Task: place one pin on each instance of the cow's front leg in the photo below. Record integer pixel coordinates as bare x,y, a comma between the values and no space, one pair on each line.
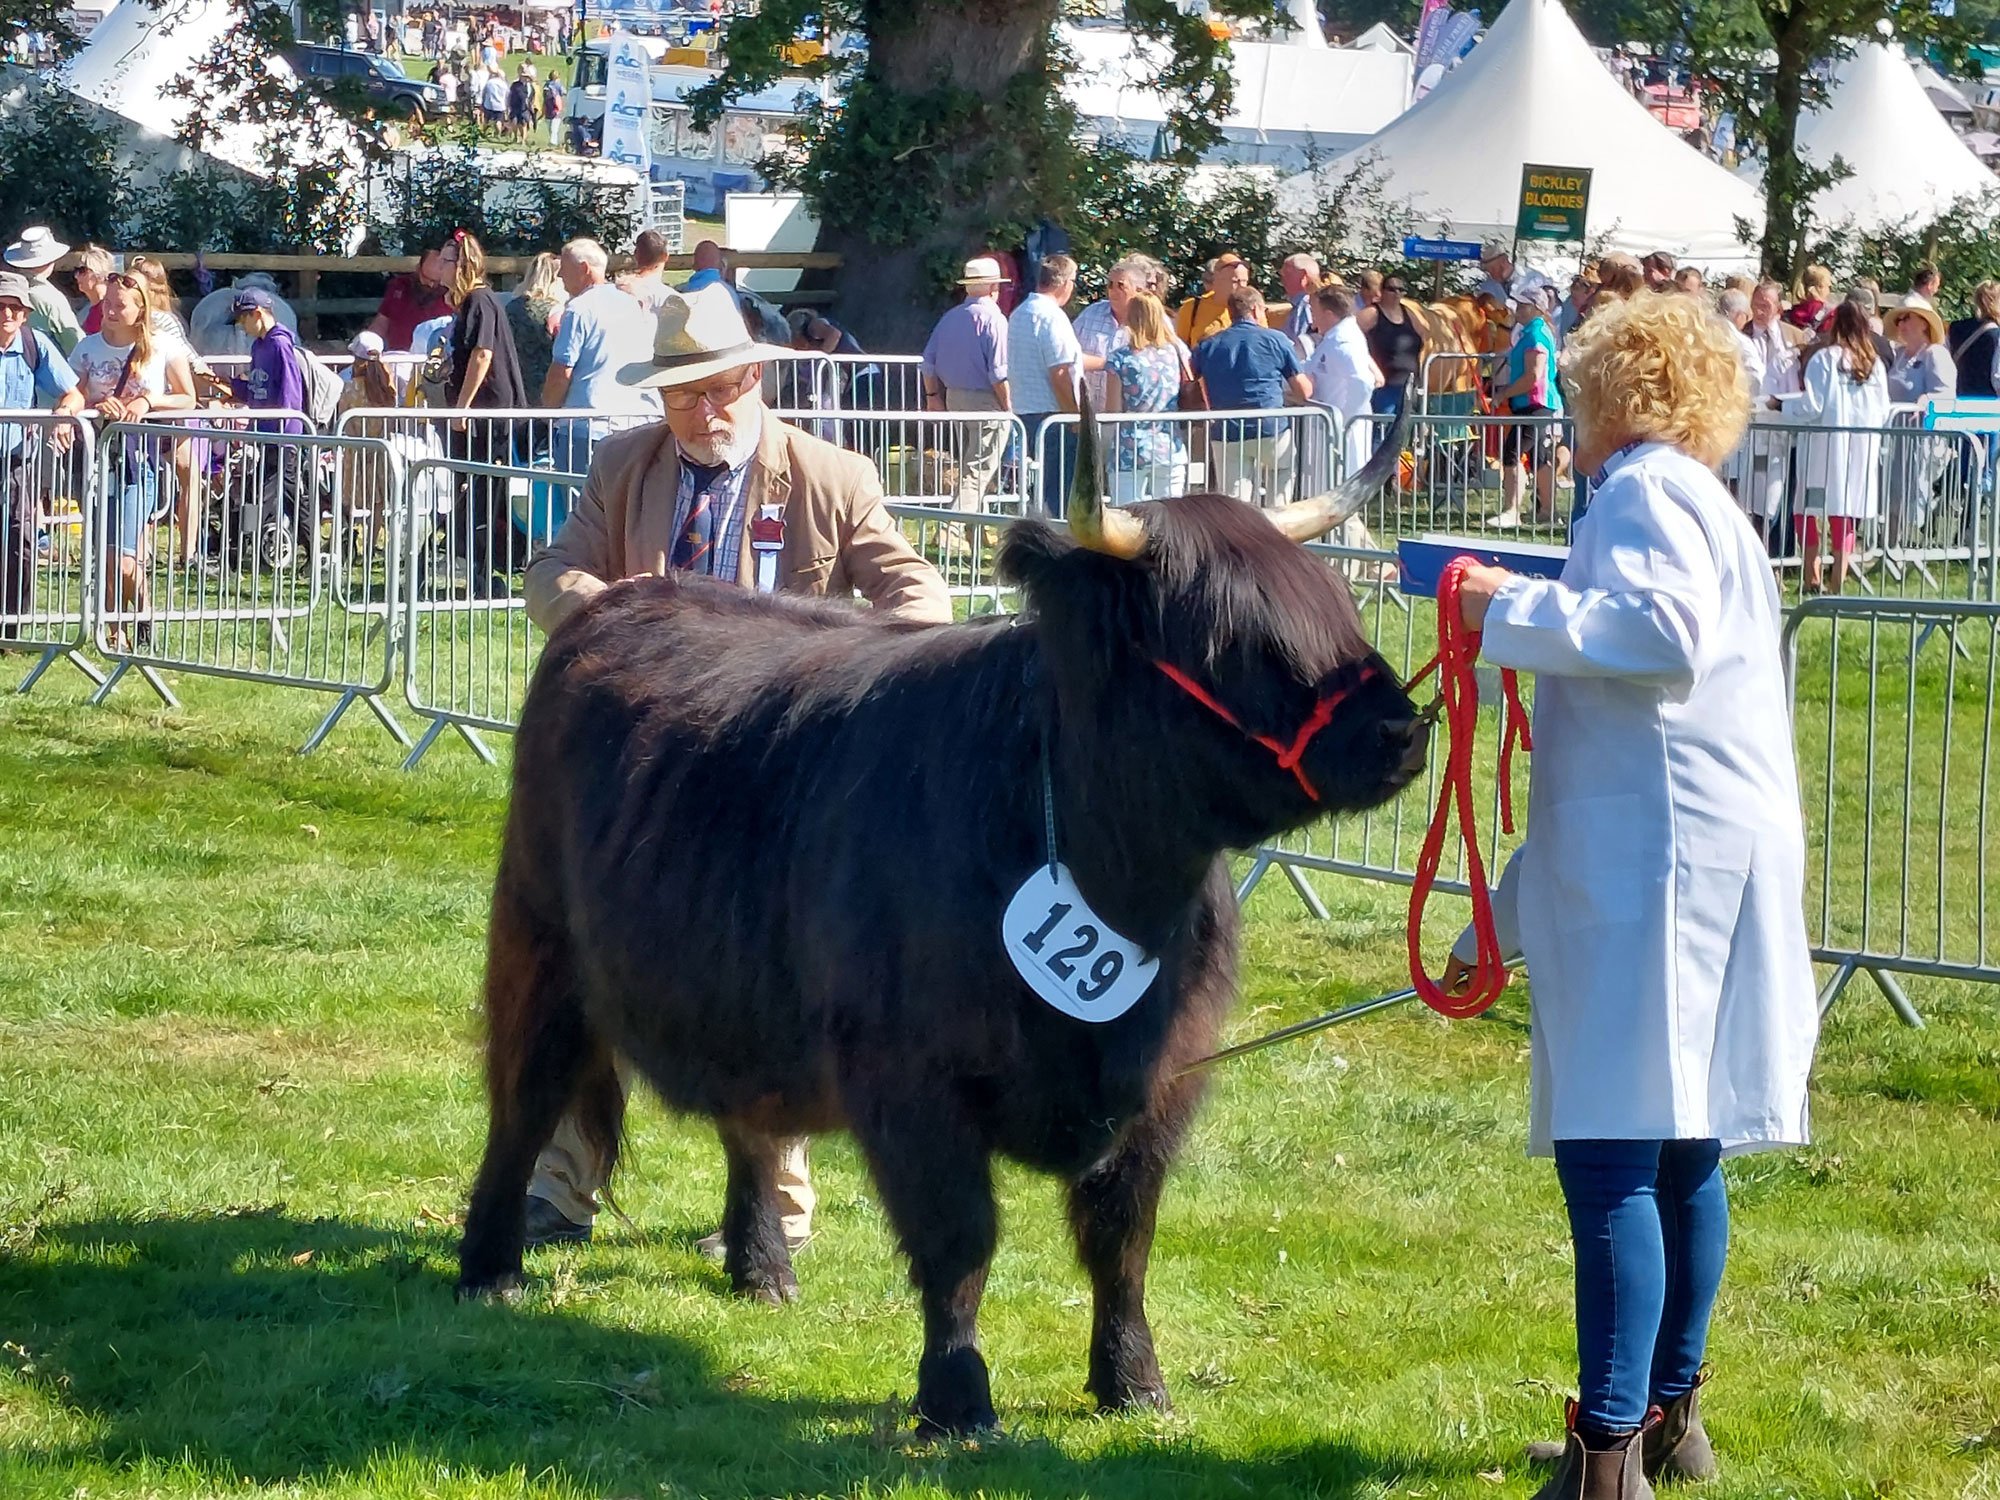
1111,1211
936,1182
754,1252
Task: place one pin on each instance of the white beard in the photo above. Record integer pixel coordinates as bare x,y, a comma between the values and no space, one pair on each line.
726,452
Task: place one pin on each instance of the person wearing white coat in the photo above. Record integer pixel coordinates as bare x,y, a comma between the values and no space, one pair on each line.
1343,372
1658,897
1846,388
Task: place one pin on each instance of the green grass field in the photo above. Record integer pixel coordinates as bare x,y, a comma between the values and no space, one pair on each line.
239,1108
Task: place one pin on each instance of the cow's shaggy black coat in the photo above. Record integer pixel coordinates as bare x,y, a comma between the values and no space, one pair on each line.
761,847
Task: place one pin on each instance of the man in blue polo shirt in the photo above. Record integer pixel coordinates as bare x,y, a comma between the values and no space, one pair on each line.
33,373
1248,367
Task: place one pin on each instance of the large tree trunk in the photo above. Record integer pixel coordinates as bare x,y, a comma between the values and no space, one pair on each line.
940,145
1785,205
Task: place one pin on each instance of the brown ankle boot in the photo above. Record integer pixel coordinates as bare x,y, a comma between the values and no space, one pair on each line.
1677,1447
1599,1473
1544,1453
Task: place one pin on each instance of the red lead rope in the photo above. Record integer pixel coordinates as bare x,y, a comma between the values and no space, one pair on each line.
1458,648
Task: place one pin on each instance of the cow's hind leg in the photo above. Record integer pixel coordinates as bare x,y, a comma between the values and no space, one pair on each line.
936,1181
1112,1209
540,1058
753,1233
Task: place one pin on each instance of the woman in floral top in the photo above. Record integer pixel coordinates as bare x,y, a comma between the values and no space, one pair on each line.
1149,459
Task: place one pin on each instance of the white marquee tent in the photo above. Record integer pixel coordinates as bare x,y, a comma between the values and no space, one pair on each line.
1291,100
1906,161
136,55
1533,92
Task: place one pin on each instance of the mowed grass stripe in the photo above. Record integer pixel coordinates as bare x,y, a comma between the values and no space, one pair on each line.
239,1106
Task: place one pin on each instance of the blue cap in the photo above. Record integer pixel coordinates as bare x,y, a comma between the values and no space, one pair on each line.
249,299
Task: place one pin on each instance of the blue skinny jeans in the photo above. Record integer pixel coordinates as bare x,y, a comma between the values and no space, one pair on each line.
1650,1220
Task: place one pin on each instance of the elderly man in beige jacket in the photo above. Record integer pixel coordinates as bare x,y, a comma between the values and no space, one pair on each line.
720,487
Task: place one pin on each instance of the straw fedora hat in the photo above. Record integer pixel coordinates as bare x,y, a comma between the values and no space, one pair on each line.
700,333
36,247
1917,306
980,270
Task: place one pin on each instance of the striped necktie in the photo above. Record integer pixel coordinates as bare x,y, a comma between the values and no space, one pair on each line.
694,548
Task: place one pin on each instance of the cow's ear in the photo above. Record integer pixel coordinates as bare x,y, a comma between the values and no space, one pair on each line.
1031,550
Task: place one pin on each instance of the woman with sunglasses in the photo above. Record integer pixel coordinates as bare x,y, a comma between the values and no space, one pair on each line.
128,375
1396,335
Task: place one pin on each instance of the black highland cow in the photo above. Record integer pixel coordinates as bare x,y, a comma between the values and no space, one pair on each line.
762,847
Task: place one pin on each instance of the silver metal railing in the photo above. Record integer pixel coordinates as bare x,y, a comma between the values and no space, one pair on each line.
1898,735
48,473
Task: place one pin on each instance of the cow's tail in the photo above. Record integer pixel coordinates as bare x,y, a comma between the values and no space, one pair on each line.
547,1068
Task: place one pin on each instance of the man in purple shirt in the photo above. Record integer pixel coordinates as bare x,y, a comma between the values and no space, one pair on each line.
965,369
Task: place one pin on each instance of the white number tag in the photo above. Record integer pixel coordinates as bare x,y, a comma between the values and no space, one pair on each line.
1068,954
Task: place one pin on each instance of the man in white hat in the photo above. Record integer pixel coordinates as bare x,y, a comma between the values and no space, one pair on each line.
721,487
34,255
965,369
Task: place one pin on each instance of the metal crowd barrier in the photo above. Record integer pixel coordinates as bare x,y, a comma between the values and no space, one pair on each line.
1384,843
555,439
877,382
1899,753
963,548
1263,457
1920,498
970,461
214,548
48,467
469,646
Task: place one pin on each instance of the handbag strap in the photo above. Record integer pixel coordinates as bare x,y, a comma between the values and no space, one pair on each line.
1972,338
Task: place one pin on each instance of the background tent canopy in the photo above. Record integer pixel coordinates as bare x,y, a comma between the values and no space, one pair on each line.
1535,92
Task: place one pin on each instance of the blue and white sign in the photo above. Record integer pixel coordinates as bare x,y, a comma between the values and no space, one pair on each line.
1415,247
628,101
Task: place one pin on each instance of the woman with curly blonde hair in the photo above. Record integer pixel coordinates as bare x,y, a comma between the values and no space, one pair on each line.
1659,895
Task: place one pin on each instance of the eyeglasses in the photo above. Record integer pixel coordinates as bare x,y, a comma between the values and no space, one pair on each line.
1393,286
120,278
717,393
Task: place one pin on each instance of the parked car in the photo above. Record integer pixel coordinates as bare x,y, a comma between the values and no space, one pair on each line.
381,78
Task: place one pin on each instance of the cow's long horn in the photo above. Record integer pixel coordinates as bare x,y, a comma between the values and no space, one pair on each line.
1101,528
1303,520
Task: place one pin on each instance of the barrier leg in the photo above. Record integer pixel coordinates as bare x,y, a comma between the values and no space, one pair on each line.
105,688
1253,877
437,727
49,657
1830,992
1306,893
347,700
158,684
1898,1000
390,722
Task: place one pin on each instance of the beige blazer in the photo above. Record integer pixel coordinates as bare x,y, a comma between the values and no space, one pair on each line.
839,538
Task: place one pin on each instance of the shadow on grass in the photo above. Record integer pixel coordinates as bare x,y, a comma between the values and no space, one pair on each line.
256,1347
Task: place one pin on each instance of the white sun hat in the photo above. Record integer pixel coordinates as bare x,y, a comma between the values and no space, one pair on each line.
700,333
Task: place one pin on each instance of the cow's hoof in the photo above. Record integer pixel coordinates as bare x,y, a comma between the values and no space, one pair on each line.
965,1424
954,1396
772,1289
507,1286
1135,1398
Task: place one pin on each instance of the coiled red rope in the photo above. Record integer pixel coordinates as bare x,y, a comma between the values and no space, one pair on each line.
1458,687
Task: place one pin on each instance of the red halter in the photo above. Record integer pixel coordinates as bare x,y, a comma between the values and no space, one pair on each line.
1290,755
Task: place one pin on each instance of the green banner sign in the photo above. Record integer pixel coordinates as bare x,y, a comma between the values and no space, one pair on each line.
1555,202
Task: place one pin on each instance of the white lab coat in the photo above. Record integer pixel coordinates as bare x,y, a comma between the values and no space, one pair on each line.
1762,464
1344,376
1842,471
1659,896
